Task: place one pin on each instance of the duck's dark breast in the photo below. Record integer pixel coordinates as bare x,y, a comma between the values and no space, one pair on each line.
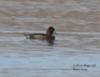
51,39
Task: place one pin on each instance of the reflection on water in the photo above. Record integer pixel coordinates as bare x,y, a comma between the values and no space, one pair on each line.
21,57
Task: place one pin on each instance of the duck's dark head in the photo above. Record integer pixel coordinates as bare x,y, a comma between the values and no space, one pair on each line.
50,30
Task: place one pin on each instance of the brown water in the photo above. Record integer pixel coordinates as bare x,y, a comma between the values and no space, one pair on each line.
76,51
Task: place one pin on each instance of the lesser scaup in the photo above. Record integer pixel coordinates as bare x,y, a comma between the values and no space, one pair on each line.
48,36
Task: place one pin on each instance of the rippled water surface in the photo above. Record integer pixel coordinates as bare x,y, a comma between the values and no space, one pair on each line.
76,52
21,57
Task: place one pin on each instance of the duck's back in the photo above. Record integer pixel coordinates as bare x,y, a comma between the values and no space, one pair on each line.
39,36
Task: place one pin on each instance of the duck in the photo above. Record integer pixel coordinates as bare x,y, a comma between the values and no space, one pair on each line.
48,36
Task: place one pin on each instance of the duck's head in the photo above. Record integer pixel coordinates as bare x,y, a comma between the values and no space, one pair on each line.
50,30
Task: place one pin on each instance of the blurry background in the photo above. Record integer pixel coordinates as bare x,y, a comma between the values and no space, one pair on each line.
64,15
77,23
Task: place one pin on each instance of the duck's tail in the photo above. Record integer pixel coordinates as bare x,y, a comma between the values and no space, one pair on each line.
27,36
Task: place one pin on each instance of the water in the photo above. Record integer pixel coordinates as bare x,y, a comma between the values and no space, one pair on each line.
76,51
21,57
